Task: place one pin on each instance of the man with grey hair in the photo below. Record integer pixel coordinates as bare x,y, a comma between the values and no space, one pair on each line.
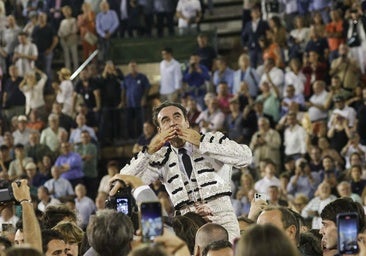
344,190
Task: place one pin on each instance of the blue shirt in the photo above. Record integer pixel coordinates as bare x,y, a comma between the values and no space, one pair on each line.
106,22
135,88
196,79
76,166
227,76
317,5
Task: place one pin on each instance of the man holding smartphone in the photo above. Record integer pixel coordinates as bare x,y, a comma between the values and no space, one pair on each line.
195,169
330,229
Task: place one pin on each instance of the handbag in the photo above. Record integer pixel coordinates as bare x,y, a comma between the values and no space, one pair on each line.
90,38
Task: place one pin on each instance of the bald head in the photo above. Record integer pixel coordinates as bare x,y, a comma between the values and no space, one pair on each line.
207,234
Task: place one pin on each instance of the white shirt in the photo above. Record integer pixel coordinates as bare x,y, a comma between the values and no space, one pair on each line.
216,120
302,35
60,187
290,6
13,221
277,77
67,27
316,204
316,114
65,97
34,95
189,9
295,140
297,81
171,76
42,206
104,185
347,112
262,185
25,65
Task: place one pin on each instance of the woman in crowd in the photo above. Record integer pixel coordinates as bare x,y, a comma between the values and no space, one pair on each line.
86,24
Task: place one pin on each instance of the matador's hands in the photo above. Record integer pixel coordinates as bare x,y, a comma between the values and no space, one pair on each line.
160,139
190,135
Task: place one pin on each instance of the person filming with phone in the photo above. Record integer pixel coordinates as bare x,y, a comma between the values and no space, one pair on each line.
195,169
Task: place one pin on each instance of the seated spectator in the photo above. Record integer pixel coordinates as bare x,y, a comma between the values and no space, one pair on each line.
244,195
265,143
234,121
112,169
70,164
21,134
290,99
223,97
58,187
50,135
85,207
269,179
193,111
340,108
149,132
273,76
17,166
274,197
81,126
313,209
211,119
298,203
353,145
357,184
45,199
304,181
35,149
89,154
35,123
35,179
223,74
344,190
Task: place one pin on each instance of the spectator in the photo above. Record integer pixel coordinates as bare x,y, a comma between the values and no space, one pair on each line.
85,207
247,74
45,199
35,149
195,79
5,158
189,15
304,181
315,162
45,38
25,54
295,77
50,135
35,123
344,191
135,89
244,195
9,36
340,109
33,92
223,97
206,52
64,91
234,121
338,132
75,136
269,178
111,102
64,121
294,137
21,134
265,143
299,36
274,197
346,68
193,111
70,165
31,24
68,37
112,169
334,31
171,76
53,243
221,247
357,183
355,41
223,74
326,150
291,101
253,30
273,75
353,145
211,119
13,100
73,236
88,152
86,25
106,24
145,138
270,98
207,234
316,205
17,166
164,10
58,187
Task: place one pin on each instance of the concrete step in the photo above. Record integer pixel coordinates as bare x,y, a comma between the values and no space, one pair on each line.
223,13
233,26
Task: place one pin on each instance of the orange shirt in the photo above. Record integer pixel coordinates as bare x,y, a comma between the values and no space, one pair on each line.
332,27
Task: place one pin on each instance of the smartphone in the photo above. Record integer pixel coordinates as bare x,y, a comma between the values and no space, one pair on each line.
123,205
259,196
151,221
347,224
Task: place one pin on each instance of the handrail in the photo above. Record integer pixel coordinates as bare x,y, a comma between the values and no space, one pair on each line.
85,63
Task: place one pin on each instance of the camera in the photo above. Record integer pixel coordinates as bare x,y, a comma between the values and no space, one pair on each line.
124,202
6,192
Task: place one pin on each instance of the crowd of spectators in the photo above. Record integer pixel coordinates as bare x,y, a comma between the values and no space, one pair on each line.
297,99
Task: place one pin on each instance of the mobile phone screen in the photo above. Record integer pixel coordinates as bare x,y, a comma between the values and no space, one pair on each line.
151,221
347,233
122,205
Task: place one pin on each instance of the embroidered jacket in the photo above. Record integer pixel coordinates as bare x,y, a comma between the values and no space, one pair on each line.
212,164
